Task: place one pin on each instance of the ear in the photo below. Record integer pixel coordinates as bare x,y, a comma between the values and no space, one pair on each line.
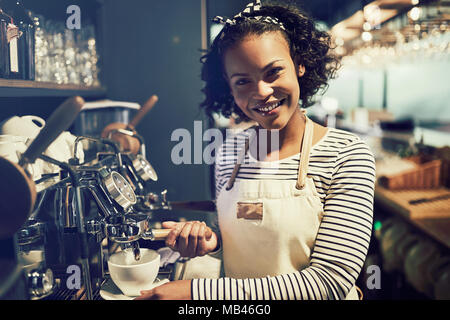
301,70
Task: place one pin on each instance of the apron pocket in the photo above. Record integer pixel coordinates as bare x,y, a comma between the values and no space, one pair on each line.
249,210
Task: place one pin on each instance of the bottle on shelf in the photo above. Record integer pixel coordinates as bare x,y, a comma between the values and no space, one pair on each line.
24,68
4,48
11,55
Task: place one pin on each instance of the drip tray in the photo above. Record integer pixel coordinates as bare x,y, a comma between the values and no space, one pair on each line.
67,294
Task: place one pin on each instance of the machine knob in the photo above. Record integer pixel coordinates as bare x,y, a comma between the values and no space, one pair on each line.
40,283
94,227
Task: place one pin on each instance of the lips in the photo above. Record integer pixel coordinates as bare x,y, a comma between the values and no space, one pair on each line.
268,108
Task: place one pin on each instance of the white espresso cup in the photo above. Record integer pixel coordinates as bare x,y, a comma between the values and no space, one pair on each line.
132,276
25,126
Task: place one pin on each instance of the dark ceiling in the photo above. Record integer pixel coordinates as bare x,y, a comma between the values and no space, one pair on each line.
331,11
328,11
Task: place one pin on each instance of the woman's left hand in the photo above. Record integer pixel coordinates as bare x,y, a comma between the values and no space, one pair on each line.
174,290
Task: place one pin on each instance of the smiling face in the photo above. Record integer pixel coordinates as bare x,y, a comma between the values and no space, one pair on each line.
263,79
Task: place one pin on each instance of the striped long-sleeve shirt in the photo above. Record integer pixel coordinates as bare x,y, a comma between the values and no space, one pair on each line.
343,170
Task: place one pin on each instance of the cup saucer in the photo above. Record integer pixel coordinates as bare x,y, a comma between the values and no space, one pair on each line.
109,290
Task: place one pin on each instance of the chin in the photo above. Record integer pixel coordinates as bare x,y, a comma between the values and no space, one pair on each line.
275,125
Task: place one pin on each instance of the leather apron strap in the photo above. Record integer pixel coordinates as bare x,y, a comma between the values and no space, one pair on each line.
304,156
239,161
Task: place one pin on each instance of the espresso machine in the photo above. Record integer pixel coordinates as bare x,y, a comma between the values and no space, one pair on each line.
81,214
86,211
95,208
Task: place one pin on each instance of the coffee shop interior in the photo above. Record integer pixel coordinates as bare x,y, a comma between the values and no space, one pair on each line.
97,88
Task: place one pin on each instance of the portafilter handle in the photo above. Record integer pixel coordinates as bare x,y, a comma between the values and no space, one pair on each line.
156,234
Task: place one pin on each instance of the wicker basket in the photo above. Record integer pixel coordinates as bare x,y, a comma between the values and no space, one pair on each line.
426,175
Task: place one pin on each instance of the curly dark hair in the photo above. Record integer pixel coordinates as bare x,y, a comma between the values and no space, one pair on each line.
309,47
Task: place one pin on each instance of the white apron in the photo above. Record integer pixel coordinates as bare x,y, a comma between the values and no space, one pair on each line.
269,227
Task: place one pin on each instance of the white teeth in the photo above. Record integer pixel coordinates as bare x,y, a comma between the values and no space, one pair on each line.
269,108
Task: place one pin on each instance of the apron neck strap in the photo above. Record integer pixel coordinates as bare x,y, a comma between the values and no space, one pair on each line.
305,153
240,159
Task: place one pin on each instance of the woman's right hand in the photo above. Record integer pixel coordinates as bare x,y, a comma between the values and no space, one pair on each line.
191,238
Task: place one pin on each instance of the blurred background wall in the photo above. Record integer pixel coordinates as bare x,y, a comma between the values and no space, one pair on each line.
154,47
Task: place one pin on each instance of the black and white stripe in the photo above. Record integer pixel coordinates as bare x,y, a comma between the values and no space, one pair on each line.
343,170
244,14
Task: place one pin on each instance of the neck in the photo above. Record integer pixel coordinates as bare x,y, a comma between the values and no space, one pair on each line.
285,141
292,133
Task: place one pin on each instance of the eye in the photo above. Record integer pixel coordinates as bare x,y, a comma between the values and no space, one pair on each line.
274,71
241,82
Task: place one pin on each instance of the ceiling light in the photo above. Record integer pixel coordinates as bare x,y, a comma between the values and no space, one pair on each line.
414,13
366,36
367,26
340,51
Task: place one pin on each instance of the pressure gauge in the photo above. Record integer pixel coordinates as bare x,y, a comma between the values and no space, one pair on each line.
144,169
120,190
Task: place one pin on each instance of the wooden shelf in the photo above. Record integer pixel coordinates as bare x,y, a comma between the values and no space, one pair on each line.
25,88
433,217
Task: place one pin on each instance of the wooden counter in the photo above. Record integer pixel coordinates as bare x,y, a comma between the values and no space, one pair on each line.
431,217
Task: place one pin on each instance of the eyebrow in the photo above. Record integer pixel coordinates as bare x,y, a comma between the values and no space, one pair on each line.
263,69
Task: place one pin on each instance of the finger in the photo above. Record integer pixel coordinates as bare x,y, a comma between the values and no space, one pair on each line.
145,291
201,240
193,239
145,295
183,238
202,231
172,237
169,224
208,233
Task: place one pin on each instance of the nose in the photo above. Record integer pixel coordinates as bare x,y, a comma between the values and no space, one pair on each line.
263,90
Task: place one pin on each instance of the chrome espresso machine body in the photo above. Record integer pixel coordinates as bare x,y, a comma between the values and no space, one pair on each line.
94,208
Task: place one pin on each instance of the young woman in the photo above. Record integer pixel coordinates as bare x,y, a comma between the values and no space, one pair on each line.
294,222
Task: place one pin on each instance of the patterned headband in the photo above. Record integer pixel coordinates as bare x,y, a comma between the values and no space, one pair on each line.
249,9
